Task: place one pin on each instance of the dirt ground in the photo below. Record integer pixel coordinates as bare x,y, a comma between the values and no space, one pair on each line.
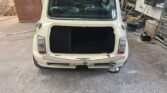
145,71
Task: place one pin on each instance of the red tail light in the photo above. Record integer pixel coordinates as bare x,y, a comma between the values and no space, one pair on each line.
122,46
41,45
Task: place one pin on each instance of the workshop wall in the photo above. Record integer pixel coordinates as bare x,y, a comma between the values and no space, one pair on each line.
148,10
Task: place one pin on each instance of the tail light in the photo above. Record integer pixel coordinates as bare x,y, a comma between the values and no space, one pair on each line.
41,45
122,45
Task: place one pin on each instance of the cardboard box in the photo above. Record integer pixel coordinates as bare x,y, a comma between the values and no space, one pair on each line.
151,28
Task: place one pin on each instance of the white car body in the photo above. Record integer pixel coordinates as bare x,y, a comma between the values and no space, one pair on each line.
64,60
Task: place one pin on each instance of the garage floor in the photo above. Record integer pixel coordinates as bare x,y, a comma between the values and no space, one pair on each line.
145,71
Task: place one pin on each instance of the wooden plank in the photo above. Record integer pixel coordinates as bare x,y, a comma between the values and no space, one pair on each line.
28,10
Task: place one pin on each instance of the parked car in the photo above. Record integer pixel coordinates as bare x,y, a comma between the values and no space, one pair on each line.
74,33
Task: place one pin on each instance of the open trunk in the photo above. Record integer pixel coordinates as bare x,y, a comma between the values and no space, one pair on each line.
65,39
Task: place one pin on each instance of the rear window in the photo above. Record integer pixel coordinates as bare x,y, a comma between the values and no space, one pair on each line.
93,9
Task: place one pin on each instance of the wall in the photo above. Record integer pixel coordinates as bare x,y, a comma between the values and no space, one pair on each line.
148,10
28,10
7,8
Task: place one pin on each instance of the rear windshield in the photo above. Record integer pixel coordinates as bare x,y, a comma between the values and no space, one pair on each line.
93,9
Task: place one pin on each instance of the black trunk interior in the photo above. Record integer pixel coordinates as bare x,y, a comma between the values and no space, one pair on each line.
65,39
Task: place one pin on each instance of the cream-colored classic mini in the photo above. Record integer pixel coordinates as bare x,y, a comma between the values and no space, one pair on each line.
74,33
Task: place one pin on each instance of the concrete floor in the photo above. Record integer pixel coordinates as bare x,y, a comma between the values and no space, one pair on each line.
145,71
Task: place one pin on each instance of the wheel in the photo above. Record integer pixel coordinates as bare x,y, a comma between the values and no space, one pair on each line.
37,65
114,69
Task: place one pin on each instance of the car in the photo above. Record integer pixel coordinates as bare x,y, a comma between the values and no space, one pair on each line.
73,33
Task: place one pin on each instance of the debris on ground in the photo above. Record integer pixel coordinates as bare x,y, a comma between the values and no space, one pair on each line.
145,37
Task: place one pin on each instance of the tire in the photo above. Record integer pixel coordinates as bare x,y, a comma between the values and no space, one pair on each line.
117,70
114,70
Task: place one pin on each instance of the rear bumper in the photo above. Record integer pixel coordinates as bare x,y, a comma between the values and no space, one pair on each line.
53,62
